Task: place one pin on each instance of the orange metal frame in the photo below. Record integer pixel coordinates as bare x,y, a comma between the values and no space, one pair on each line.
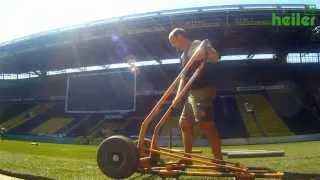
212,167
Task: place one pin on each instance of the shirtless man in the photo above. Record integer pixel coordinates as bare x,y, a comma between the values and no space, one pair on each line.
198,109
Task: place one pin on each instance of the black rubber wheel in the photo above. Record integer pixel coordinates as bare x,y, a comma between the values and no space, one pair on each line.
118,157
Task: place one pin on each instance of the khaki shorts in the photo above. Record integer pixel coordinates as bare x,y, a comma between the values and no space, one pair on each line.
198,106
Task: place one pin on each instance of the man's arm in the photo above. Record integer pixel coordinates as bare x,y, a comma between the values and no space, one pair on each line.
212,55
181,83
209,53
181,79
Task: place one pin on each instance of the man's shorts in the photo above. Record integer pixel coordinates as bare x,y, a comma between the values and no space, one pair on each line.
198,107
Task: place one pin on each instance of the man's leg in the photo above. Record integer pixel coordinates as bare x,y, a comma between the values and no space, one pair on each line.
187,134
186,123
213,137
203,113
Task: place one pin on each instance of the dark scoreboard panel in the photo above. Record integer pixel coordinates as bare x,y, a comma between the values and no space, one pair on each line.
101,92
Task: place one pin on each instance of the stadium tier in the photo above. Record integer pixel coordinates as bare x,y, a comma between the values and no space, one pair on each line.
242,109
228,118
52,125
233,117
260,119
35,117
298,116
20,119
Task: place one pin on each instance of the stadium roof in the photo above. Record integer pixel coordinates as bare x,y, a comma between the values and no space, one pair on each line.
243,29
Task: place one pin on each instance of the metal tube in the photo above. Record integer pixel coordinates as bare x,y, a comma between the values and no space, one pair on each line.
197,156
166,116
165,96
201,161
170,137
165,172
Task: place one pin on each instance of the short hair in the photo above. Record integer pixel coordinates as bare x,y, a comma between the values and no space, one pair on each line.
177,31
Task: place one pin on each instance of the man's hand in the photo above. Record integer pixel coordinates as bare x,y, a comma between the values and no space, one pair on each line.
212,55
208,53
202,54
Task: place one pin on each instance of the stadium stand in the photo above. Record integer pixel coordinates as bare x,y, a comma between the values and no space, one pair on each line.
52,125
108,127
74,121
77,119
297,116
38,117
231,116
228,118
248,118
133,126
271,123
26,115
83,126
11,109
263,121
34,88
172,123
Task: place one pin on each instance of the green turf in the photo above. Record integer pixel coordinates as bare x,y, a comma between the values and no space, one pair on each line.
78,161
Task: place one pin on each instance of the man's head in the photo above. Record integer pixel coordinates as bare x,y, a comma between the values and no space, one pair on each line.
178,39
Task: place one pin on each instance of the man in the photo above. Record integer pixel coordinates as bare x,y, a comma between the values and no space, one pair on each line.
198,109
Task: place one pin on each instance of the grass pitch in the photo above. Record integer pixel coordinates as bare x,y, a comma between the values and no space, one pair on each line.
61,161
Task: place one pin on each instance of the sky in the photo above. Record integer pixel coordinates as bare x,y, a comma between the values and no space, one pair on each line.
21,18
